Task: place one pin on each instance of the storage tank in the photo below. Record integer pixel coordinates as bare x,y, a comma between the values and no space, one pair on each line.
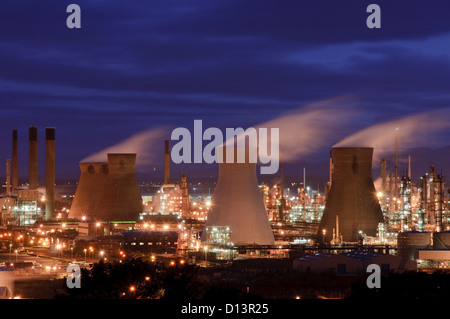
237,202
352,196
408,242
108,191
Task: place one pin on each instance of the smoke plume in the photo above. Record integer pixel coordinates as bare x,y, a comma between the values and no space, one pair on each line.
148,146
417,130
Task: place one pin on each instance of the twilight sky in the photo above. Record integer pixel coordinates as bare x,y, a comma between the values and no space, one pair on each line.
138,67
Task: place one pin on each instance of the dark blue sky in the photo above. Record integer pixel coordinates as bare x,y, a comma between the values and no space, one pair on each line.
137,65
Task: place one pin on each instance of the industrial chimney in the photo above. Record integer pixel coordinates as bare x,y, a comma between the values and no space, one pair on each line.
8,177
49,173
33,158
352,196
166,163
15,162
237,202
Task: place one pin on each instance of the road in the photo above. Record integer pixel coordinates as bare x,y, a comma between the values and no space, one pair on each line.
49,266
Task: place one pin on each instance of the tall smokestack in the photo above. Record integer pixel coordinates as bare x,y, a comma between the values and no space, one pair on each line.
383,185
33,158
49,173
166,163
409,166
15,162
395,170
8,177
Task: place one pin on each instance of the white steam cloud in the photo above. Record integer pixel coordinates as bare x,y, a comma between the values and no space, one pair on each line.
418,130
148,146
307,130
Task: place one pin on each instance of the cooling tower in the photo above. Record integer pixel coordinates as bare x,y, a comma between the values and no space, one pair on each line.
237,203
352,196
15,162
33,158
108,191
49,173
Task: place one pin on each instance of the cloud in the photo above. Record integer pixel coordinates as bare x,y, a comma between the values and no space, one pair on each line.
427,129
148,147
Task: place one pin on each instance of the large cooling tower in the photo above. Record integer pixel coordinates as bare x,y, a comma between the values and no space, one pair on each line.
108,191
352,196
237,203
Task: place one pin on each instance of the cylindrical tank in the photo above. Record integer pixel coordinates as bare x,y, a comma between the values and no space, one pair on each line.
352,196
237,202
408,242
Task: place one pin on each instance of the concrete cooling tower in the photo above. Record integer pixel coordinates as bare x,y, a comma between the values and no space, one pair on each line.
108,191
352,196
237,203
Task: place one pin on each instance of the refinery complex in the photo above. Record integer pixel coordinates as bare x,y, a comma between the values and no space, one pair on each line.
109,216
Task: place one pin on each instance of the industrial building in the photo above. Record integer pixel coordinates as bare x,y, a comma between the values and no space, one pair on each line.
24,205
352,262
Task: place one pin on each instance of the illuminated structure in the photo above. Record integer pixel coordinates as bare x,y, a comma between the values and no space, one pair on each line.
168,199
108,191
352,197
237,203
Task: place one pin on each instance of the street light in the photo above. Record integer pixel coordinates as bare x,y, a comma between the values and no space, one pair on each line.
206,251
85,251
58,247
324,231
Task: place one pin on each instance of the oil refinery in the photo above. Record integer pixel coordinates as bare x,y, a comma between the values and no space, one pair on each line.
110,215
